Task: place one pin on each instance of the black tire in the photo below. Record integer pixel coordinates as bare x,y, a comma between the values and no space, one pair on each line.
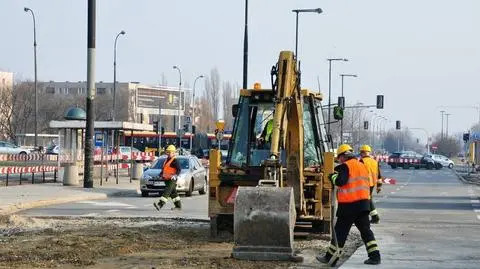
203,190
450,165
393,166
144,193
190,189
23,153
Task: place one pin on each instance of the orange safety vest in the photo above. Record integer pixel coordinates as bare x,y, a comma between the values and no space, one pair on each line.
372,166
167,170
357,187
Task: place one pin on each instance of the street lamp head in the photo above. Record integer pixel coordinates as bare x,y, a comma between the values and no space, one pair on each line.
201,76
26,9
311,10
175,67
122,32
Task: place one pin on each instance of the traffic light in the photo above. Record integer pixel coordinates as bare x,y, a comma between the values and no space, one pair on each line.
379,101
163,130
337,113
365,125
341,101
418,141
466,137
155,126
185,127
398,125
194,129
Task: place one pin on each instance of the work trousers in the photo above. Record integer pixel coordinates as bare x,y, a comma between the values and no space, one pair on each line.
170,192
373,210
342,228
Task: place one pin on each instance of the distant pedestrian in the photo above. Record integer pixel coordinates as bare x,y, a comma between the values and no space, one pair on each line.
375,179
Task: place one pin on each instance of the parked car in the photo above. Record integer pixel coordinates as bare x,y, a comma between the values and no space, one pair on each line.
443,160
408,159
193,177
9,148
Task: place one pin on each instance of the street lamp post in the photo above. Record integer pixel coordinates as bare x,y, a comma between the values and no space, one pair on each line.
193,110
311,10
179,104
441,133
329,135
26,9
114,112
341,121
446,129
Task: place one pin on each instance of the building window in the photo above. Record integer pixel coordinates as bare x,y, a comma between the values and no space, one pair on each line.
50,90
101,90
72,91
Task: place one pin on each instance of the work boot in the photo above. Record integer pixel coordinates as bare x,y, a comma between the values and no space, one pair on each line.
158,205
375,219
178,205
372,261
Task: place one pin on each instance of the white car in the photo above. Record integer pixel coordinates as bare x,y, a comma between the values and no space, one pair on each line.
443,160
193,176
9,148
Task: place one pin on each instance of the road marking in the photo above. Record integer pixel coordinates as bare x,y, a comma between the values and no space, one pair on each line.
478,217
109,204
392,192
112,210
476,210
90,215
398,189
475,201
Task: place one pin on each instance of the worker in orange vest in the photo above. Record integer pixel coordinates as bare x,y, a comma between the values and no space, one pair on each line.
353,195
170,171
375,178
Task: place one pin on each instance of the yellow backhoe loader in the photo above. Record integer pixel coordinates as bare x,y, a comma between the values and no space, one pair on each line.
276,172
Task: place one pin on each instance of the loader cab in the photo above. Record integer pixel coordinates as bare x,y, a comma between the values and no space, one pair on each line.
250,145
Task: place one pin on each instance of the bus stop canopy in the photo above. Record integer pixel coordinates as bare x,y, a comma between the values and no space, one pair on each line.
103,125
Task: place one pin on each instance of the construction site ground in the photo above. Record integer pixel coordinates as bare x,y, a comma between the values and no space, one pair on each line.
132,243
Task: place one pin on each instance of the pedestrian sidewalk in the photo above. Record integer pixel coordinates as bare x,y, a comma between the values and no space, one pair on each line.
21,197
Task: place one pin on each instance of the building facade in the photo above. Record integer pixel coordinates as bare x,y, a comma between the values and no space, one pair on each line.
135,102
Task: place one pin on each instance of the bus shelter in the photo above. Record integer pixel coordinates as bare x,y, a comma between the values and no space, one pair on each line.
71,136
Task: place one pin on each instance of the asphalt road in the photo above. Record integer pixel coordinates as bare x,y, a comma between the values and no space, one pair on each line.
429,219
128,205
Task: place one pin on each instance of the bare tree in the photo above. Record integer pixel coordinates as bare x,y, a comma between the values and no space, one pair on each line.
212,91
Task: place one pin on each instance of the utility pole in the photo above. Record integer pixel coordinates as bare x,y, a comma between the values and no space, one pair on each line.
441,133
341,121
26,9
329,135
245,48
446,130
89,132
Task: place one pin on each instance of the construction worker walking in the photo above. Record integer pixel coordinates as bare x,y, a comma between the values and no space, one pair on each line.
353,195
375,178
170,171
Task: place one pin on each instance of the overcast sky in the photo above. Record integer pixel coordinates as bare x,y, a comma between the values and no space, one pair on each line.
420,54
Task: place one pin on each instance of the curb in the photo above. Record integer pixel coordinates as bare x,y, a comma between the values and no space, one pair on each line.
40,203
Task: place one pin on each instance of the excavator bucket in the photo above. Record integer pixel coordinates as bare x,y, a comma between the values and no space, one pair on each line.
264,219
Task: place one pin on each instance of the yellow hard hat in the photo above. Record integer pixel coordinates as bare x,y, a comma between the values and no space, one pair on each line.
171,148
343,148
366,148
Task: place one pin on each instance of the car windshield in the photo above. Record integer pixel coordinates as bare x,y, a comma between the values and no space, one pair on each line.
184,163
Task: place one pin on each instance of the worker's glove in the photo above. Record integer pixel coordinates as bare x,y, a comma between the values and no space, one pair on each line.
333,177
379,185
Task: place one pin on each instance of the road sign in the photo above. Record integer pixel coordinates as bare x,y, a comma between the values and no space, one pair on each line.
188,120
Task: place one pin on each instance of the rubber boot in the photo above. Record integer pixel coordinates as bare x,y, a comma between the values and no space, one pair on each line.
375,219
158,205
